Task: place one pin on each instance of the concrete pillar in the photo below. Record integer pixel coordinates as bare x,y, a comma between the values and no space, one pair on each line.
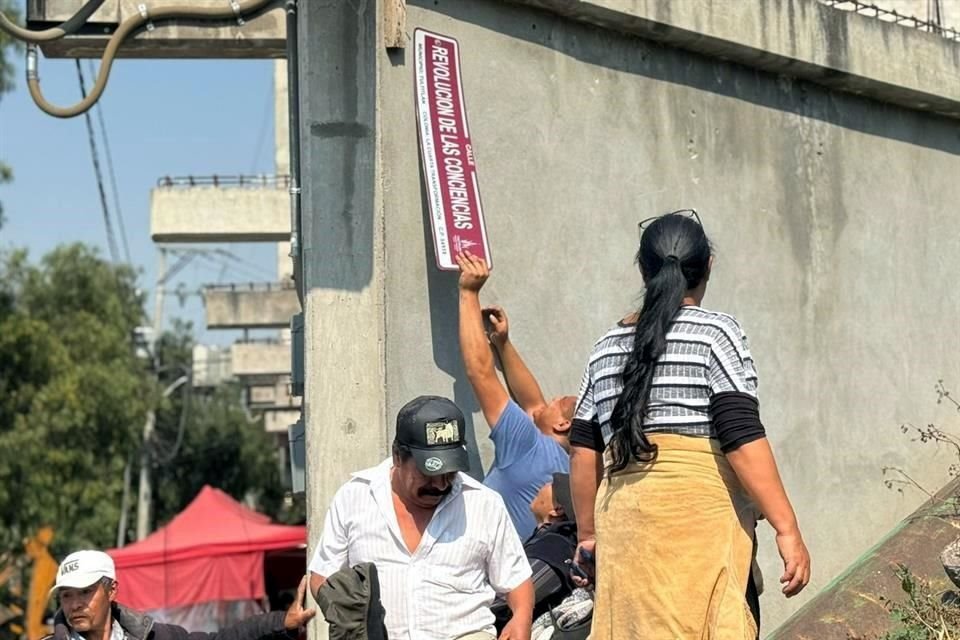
342,251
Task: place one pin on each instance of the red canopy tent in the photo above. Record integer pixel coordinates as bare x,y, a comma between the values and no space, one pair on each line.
213,551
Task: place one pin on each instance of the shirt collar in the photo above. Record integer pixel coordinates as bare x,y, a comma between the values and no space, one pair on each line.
116,632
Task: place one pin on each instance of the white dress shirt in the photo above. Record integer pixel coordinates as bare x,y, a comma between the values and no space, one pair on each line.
469,551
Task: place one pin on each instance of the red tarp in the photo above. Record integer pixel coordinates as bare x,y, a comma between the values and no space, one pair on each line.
211,551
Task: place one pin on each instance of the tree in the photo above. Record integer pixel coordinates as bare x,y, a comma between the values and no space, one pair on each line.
207,437
8,47
72,395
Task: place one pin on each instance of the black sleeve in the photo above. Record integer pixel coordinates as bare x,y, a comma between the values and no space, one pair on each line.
260,627
736,419
586,433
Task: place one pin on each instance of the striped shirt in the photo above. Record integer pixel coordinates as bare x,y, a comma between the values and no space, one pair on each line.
469,552
706,353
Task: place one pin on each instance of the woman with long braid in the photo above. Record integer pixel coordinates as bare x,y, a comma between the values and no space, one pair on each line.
670,465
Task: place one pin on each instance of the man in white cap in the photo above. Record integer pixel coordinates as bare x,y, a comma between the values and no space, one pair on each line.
87,588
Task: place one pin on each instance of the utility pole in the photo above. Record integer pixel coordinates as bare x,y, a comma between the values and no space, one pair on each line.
145,499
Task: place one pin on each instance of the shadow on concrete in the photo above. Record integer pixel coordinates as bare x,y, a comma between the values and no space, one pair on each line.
338,146
633,54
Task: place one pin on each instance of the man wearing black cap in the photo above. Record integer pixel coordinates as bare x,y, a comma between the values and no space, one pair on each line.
443,544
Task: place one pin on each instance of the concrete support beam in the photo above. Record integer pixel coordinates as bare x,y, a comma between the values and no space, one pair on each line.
254,307
263,35
272,395
802,38
278,420
211,365
219,214
260,360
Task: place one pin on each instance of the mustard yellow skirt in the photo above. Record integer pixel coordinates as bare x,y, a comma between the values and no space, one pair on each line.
674,547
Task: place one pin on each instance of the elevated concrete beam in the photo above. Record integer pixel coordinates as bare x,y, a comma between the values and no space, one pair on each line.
260,360
274,395
802,38
263,35
256,307
211,365
219,214
277,420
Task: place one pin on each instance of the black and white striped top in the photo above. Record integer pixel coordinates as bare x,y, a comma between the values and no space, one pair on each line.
706,353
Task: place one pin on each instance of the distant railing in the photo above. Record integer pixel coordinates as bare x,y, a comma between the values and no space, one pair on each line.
249,340
260,181
891,15
284,285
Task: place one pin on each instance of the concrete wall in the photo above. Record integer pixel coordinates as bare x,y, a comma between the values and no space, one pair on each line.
832,216
250,308
219,214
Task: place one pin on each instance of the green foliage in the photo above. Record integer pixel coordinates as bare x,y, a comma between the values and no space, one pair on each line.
72,395
926,614
219,443
8,48
74,398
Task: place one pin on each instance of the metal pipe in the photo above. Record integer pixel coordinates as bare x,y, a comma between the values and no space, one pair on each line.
125,30
293,109
54,33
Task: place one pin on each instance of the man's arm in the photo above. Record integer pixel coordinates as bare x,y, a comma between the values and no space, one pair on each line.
477,358
316,581
333,548
520,380
259,627
520,601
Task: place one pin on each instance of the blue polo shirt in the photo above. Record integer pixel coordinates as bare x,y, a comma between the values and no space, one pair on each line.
523,462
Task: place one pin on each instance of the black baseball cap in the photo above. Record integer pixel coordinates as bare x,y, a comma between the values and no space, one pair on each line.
434,430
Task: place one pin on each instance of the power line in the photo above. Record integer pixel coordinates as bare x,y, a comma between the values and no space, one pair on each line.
111,239
249,263
113,176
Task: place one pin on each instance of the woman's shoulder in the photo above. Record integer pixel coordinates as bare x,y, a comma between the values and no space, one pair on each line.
711,316
724,328
619,332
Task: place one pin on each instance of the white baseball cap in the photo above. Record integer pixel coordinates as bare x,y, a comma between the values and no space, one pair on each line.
83,568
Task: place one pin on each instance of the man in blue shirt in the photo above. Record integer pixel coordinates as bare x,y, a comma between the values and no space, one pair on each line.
530,435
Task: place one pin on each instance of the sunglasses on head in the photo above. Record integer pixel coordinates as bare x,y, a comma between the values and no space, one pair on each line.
688,213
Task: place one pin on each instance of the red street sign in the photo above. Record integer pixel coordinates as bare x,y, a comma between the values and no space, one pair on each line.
449,168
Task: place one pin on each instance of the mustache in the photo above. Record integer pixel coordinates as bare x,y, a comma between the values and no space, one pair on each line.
433,492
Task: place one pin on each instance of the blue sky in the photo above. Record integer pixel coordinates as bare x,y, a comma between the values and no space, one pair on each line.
163,117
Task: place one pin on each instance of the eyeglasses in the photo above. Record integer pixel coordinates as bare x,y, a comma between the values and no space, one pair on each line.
689,213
